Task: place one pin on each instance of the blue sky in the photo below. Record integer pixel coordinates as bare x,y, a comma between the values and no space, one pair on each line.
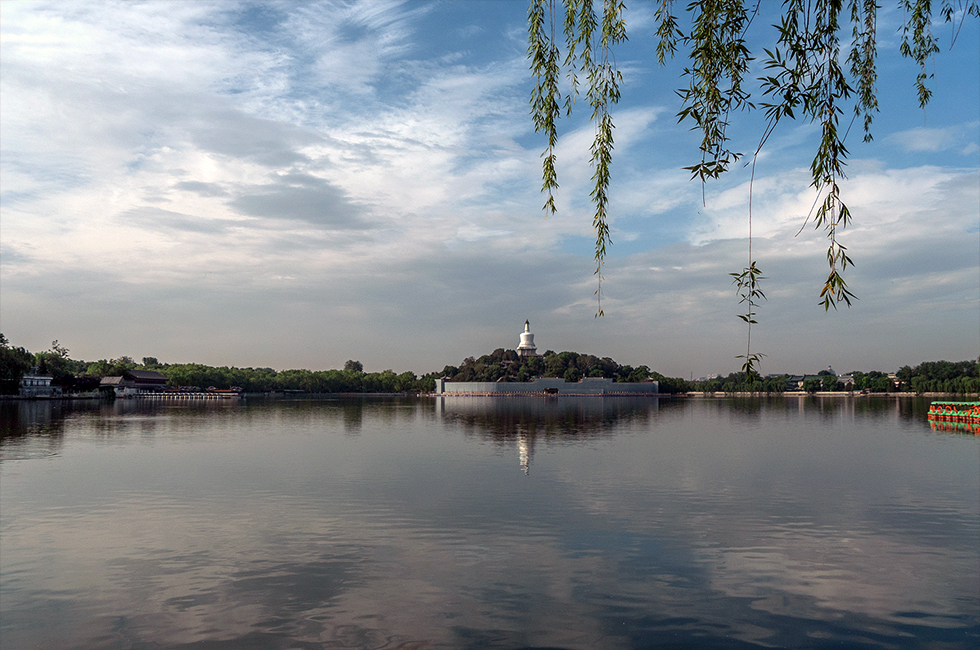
298,184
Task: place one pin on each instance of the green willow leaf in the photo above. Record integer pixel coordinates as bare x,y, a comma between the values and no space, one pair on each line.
809,75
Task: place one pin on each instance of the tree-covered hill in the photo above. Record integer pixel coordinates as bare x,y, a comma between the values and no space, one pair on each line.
505,365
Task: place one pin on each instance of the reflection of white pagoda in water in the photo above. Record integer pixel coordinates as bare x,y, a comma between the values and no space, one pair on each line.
525,448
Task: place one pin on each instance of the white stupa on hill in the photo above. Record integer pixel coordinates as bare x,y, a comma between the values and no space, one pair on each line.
544,386
527,347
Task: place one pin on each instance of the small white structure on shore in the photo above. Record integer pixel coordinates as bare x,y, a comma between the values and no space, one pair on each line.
527,347
34,384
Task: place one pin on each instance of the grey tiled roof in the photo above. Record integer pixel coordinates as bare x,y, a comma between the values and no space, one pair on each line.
151,375
115,381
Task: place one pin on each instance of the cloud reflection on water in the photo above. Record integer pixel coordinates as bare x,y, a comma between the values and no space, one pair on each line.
702,524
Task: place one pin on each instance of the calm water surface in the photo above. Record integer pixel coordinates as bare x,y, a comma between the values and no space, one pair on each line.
488,523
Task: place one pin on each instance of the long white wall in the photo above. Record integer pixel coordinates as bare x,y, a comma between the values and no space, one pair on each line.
588,386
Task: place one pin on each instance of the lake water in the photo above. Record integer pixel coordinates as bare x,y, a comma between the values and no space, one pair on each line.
488,523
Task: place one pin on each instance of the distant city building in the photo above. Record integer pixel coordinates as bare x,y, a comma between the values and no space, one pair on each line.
527,347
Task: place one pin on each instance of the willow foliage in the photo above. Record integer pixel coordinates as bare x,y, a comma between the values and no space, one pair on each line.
589,39
820,68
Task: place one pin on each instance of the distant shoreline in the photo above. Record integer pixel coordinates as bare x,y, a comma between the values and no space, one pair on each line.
823,393
691,394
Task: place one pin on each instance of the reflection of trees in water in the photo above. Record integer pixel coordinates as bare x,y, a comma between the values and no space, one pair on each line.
20,419
561,418
353,417
349,412
752,408
524,421
906,407
27,420
24,421
514,421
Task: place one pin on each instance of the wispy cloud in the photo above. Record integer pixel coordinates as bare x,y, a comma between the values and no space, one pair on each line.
356,167
961,137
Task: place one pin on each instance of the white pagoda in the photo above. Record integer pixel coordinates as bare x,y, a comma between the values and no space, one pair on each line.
527,347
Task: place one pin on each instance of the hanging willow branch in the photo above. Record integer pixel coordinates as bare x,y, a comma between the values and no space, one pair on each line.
589,41
804,80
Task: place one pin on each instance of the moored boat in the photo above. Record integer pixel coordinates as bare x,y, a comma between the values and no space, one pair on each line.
966,412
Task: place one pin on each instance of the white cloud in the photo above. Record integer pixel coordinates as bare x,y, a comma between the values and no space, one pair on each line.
926,139
232,165
877,199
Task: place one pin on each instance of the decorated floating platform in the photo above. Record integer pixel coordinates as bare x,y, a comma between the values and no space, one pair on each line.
962,417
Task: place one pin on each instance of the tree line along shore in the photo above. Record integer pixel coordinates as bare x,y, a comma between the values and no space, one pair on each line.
74,376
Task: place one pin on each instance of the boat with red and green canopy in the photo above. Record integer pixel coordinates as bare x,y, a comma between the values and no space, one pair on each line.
955,416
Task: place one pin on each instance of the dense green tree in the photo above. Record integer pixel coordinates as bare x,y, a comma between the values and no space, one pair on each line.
904,374
871,379
353,366
57,363
671,385
881,385
557,364
14,363
776,384
736,382
405,382
941,370
535,366
505,365
121,365
98,368
642,373
811,385
427,383
61,369
623,373
858,380
919,384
